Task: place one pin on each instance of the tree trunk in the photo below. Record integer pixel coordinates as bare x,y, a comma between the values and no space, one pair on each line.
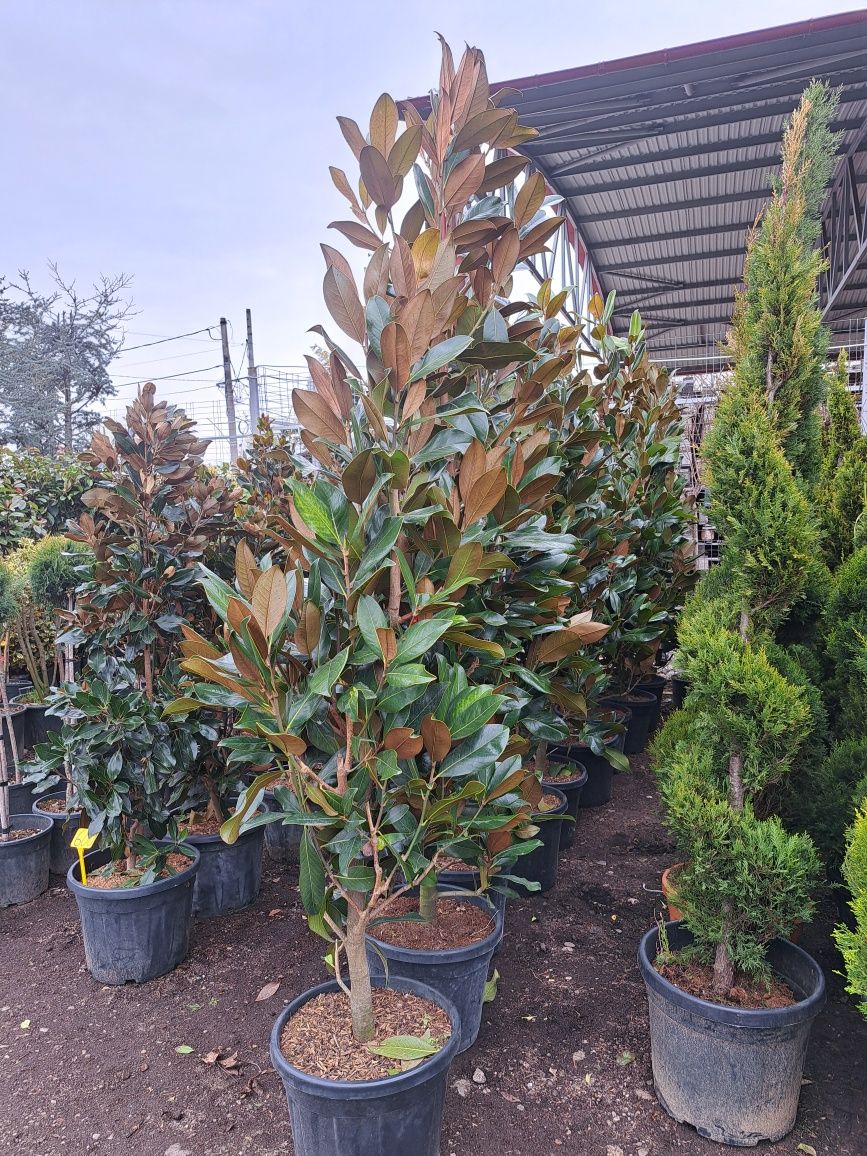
361,995
427,898
67,411
723,967
540,761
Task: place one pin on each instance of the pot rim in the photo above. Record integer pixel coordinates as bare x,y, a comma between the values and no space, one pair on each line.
805,1009
569,785
126,894
25,821
55,816
447,954
645,697
367,1089
553,789
210,840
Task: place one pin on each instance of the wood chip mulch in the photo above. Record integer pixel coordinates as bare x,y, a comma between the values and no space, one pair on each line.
318,1039
697,979
20,833
458,924
108,879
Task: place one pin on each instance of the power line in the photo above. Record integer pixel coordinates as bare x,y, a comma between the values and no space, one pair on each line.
147,344
167,376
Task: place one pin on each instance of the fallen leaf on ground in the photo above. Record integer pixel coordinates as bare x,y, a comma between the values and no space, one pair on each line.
268,990
808,1148
625,1058
24,1025
184,1049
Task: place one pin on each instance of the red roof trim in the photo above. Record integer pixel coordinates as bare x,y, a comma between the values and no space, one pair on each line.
682,52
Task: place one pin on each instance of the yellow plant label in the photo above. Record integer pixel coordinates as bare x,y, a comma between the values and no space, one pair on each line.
82,841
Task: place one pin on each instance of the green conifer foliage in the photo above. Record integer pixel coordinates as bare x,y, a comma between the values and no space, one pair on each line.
841,490
853,942
777,340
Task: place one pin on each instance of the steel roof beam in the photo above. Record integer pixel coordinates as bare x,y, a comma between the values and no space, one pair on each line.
589,166
674,235
588,189
624,267
669,207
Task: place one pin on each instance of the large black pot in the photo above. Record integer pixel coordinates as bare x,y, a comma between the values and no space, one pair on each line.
22,797
17,716
733,1073
400,1115
24,862
457,973
656,687
64,826
540,866
642,705
230,875
134,934
282,840
600,773
572,789
38,724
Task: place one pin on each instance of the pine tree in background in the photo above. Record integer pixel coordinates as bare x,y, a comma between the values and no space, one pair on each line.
777,340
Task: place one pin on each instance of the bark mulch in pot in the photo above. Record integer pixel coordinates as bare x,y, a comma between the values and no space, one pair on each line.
107,879
318,1039
457,925
697,979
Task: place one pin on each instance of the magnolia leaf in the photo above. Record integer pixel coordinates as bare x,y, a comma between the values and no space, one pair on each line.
270,599
491,987
378,179
317,416
184,1049
358,234
343,304
405,1047
498,354
436,737
359,477
268,990
440,355
246,570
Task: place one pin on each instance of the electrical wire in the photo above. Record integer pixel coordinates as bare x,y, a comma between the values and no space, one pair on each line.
168,376
162,340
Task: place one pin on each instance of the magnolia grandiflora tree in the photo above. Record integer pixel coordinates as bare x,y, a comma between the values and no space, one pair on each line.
371,661
777,340
151,517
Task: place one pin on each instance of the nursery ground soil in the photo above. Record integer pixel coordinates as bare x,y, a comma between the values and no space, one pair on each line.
107,879
19,833
562,1062
457,924
318,1039
697,980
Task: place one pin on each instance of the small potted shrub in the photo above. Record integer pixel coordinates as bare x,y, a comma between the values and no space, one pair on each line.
135,903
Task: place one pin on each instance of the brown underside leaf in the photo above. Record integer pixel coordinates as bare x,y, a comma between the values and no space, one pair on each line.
341,298
270,599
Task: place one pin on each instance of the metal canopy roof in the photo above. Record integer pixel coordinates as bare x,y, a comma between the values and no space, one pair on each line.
665,159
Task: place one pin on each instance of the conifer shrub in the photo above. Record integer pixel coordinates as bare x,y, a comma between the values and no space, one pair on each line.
852,941
844,627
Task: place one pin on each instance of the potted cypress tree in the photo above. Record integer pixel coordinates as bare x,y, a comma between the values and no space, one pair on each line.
724,978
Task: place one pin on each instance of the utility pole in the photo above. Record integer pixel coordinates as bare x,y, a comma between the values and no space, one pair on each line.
252,379
230,392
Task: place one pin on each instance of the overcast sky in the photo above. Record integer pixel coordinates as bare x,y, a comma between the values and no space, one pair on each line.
187,142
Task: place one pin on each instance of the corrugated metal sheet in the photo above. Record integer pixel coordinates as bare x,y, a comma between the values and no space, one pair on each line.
665,160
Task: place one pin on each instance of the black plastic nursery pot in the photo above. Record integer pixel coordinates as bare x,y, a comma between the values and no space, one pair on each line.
643,705
540,866
679,690
38,724
572,789
230,874
733,1073
17,716
400,1115
656,687
64,826
458,974
282,840
24,862
596,792
22,797
133,934
470,880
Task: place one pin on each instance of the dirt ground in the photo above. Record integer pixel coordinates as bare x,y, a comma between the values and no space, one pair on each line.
561,1064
